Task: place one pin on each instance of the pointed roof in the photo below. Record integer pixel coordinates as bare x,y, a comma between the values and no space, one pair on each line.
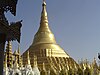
9,47
44,44
16,64
35,61
44,38
45,47
28,58
44,34
16,52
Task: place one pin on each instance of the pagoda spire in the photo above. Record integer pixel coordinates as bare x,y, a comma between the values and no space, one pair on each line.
16,64
19,55
44,34
44,18
35,61
9,53
5,65
5,60
28,58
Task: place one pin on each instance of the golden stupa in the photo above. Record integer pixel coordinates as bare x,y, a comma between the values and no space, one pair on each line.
48,52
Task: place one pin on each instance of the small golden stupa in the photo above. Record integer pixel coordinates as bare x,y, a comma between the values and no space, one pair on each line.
49,54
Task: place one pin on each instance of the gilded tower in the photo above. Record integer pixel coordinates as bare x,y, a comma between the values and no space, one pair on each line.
44,46
11,57
17,56
9,53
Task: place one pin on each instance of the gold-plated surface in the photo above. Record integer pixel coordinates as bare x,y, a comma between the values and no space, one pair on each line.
44,34
10,56
46,49
9,53
28,58
44,38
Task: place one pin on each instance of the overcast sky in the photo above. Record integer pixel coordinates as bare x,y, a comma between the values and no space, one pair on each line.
75,24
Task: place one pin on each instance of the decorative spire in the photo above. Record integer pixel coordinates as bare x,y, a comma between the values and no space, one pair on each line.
9,53
12,64
19,48
9,47
44,34
43,68
43,71
5,66
35,61
44,18
16,53
44,2
19,56
5,60
94,64
28,58
21,62
16,64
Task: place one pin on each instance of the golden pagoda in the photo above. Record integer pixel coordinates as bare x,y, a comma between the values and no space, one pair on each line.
17,56
46,49
9,53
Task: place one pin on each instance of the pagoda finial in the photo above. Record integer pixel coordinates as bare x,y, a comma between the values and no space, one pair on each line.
44,2
44,29
44,12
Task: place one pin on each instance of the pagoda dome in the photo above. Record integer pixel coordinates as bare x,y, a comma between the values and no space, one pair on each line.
44,38
45,47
